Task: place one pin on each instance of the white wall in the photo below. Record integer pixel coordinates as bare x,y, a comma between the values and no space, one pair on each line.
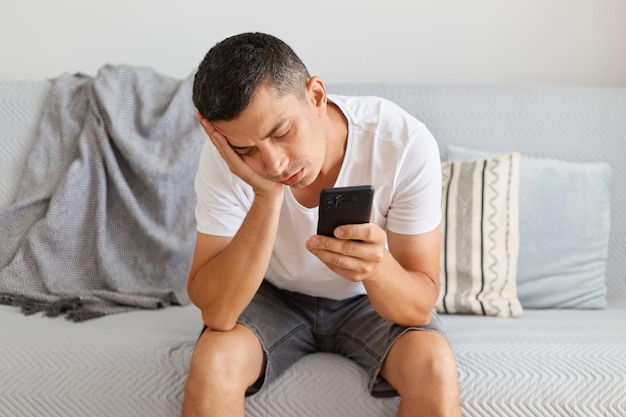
575,42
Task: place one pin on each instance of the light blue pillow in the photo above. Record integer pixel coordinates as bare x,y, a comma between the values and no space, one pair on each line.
564,217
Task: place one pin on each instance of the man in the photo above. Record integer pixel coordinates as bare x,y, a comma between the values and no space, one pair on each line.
269,289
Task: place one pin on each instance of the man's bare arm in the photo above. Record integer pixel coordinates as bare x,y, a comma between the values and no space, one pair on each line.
402,282
226,272
406,287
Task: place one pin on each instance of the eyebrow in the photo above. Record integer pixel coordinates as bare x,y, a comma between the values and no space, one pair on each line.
267,135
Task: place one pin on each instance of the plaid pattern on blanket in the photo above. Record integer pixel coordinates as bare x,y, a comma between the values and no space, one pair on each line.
103,221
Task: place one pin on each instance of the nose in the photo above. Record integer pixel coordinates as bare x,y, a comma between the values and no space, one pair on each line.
275,160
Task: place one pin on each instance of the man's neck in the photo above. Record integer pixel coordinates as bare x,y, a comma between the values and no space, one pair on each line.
336,143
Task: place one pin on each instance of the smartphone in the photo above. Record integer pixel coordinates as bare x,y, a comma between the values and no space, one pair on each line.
344,205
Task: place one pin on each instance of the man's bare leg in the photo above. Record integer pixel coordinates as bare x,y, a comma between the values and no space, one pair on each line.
422,368
223,366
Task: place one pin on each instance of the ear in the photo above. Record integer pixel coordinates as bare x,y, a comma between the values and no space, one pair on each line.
316,93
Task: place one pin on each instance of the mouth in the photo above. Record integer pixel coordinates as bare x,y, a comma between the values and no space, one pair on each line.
294,178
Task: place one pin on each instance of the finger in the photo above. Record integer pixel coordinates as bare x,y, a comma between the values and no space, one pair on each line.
365,232
329,249
351,268
219,140
209,128
350,259
205,123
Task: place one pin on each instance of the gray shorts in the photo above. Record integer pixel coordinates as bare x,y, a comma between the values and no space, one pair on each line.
290,325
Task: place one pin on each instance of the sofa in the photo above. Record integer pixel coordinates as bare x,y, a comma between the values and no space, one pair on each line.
556,348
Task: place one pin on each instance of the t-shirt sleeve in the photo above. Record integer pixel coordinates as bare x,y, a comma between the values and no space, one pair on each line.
222,199
416,204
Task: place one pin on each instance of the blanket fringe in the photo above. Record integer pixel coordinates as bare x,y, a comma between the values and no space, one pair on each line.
82,314
63,306
73,308
28,305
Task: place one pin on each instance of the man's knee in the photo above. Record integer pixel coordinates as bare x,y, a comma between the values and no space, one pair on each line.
421,356
437,359
422,368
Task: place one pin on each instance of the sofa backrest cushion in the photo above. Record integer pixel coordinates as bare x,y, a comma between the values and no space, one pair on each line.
578,124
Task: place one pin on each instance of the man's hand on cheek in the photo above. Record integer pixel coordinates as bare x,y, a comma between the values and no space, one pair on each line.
355,253
262,186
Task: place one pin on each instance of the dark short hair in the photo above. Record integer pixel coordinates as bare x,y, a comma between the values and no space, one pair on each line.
234,68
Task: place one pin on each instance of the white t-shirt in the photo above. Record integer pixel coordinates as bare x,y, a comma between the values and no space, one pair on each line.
386,147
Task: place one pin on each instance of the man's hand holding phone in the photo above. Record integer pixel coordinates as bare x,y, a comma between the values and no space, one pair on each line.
347,242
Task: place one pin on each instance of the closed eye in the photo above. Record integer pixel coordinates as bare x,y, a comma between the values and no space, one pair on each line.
244,151
281,136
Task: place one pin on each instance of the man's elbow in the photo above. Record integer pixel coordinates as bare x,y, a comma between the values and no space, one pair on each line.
214,315
416,317
424,318
220,324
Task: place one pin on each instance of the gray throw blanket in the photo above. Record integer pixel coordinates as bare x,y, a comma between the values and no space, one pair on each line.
103,221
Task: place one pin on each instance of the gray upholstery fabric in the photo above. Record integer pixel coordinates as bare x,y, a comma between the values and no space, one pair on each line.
569,123
103,220
547,362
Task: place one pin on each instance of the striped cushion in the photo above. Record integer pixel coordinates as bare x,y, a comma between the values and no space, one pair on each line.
480,236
